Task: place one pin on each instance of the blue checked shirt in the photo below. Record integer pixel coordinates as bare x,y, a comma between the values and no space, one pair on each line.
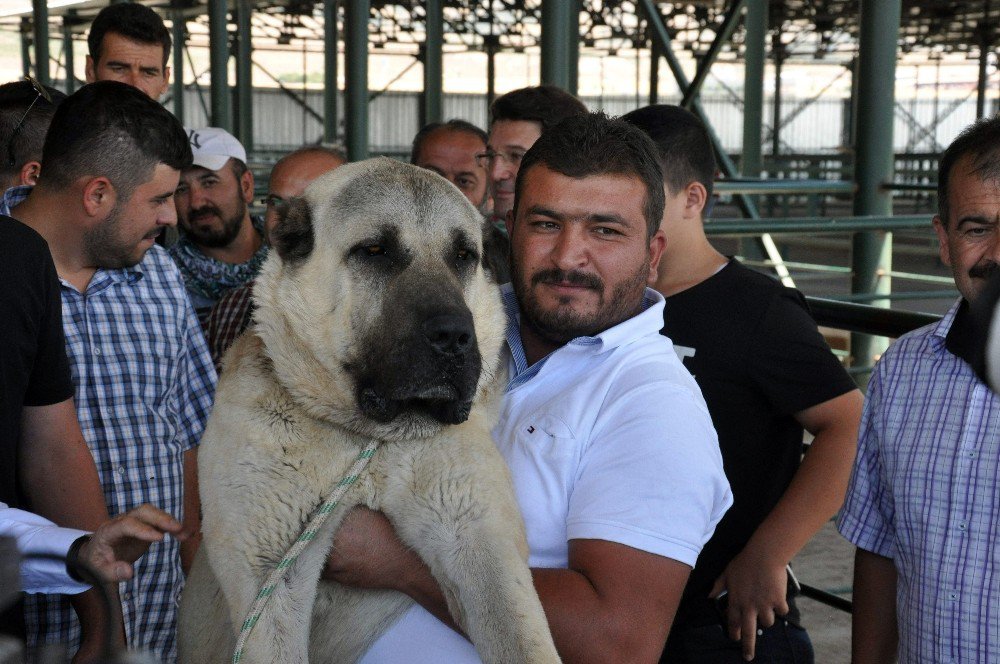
926,492
144,387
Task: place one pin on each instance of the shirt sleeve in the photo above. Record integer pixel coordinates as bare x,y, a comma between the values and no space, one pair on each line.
35,535
868,513
792,364
651,477
51,381
198,374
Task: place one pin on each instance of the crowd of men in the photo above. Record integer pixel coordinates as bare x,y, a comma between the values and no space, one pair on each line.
678,381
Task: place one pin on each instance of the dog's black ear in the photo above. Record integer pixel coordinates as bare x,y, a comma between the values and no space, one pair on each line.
293,236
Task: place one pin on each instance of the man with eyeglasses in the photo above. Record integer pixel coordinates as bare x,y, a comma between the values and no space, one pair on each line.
26,109
221,246
453,150
290,176
517,119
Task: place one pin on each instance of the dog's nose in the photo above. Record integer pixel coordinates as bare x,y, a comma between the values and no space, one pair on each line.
449,334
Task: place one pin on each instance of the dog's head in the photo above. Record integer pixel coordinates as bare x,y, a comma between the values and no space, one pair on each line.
373,306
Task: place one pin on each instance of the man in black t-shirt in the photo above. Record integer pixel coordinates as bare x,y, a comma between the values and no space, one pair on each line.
766,374
45,464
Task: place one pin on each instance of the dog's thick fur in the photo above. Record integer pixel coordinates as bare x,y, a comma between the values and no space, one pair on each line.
374,320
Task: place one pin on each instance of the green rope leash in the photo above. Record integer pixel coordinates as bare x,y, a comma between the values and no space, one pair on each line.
316,521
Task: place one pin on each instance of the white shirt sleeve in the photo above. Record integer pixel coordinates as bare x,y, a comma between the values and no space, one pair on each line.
37,535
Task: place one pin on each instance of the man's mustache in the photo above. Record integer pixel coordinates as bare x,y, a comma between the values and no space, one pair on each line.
205,211
984,270
556,276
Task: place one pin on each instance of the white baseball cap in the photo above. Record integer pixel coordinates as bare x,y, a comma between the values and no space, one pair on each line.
213,147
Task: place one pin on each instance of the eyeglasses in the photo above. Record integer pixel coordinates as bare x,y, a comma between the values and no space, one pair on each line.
42,93
486,159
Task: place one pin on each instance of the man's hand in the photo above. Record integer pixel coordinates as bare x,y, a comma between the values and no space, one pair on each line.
118,543
757,589
367,553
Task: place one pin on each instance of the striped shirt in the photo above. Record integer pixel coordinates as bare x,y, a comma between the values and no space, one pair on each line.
144,387
227,320
925,492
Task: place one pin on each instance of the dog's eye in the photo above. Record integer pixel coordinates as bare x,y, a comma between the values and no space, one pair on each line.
375,250
464,254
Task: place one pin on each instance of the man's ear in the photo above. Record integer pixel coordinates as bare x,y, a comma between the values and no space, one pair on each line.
696,196
942,234
29,173
656,246
246,186
99,197
90,70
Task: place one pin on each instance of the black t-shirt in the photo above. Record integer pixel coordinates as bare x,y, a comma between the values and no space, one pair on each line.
754,350
34,370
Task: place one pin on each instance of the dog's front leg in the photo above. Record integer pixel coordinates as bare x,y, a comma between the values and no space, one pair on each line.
458,512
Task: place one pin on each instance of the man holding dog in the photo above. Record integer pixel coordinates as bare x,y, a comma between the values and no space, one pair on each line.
612,453
143,377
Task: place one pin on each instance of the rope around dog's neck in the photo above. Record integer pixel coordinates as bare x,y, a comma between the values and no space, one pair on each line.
316,521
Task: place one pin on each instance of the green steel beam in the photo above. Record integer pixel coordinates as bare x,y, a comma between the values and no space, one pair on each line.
356,77
817,224
738,186
430,98
662,37
573,47
70,62
331,47
40,15
244,74
557,17
778,49
871,255
179,35
218,50
753,86
871,320
722,36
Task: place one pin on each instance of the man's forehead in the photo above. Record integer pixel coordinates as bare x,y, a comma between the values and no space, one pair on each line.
198,172
522,133
116,46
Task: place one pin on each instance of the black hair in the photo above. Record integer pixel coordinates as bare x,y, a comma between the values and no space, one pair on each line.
15,100
451,125
682,142
545,104
981,142
113,130
594,144
132,21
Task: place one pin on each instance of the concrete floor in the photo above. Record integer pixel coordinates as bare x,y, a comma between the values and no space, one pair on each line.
827,563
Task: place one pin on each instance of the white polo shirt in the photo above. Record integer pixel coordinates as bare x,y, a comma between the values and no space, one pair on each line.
607,437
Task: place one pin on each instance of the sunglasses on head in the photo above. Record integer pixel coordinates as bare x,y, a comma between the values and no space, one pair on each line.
41,93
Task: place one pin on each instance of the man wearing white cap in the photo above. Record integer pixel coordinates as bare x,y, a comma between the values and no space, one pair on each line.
221,245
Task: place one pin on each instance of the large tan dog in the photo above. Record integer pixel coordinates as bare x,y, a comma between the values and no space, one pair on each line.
374,320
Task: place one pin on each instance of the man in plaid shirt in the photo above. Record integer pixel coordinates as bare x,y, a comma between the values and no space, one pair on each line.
143,376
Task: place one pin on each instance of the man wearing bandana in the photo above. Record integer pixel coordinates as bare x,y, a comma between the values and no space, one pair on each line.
922,504
221,246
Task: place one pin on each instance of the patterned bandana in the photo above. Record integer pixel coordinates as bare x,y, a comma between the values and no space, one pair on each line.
210,278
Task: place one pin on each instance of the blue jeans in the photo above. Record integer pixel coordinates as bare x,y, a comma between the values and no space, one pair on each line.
781,643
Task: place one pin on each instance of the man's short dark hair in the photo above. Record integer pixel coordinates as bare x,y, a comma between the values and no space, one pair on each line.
545,104
682,142
456,125
594,144
113,130
981,142
15,100
132,21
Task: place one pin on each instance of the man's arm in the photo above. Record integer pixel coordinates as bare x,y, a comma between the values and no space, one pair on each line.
192,510
874,630
756,579
614,603
61,483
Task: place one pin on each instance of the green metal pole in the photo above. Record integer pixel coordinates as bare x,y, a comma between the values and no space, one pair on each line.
179,30
356,77
25,46
218,47
753,101
430,102
725,31
40,14
779,57
872,251
556,20
244,74
67,27
573,46
654,72
330,39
